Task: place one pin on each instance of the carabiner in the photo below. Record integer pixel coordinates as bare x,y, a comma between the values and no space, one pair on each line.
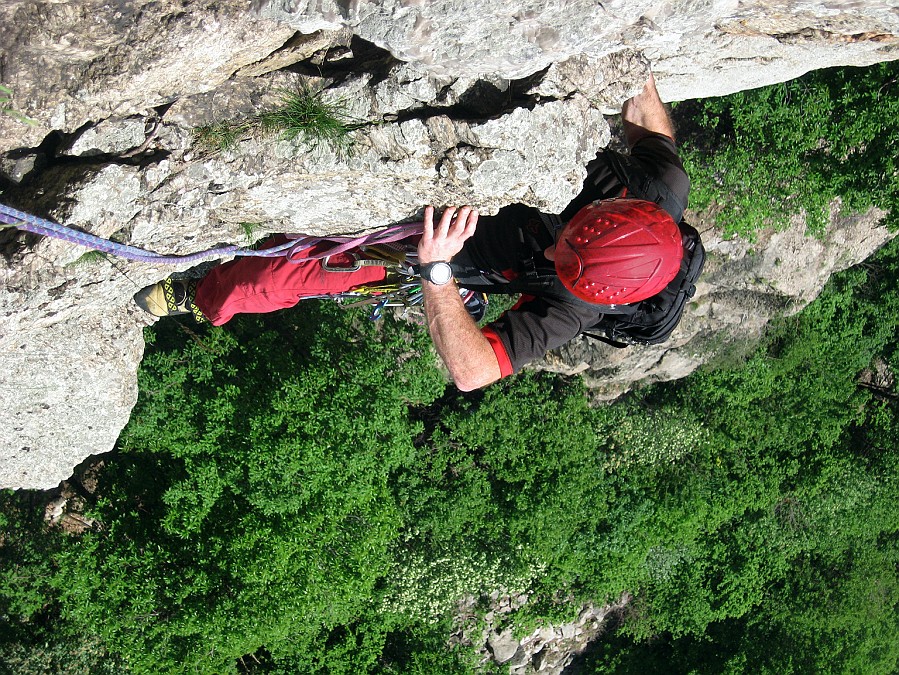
356,265
378,311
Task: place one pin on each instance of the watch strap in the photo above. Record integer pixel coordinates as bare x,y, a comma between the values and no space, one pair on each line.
427,272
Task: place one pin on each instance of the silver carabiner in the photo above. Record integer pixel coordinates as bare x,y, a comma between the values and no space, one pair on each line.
357,264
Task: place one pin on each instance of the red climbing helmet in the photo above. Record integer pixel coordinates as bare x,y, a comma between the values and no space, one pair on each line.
618,251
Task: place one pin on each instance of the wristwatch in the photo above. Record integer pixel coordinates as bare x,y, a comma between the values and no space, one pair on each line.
438,273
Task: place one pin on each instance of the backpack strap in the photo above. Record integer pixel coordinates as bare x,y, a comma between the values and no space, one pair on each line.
536,285
551,222
643,185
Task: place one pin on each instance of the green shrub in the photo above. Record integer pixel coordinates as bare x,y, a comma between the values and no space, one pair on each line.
254,510
33,639
797,570
305,114
302,113
764,155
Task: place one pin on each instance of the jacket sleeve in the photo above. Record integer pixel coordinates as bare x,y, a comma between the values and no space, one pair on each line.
531,329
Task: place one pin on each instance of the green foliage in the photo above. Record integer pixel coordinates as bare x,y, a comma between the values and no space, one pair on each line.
33,640
517,481
765,154
799,574
58,653
221,136
249,231
427,585
421,650
24,555
303,113
237,501
376,645
273,532
645,436
843,620
90,258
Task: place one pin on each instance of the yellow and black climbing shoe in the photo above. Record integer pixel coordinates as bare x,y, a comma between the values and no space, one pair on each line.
170,297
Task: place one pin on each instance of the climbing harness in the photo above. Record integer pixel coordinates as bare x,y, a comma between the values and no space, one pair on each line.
400,288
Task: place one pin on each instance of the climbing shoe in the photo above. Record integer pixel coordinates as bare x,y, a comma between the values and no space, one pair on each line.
170,297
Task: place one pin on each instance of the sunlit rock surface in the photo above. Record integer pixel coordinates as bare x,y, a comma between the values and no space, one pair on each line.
454,105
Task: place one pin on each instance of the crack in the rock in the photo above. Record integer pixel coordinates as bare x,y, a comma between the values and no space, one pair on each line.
284,47
473,106
48,151
823,35
367,58
141,161
44,188
481,102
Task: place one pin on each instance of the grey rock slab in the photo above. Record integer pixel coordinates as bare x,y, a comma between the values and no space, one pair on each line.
569,631
111,136
16,167
698,48
503,646
67,389
797,265
548,662
460,38
69,63
298,48
712,50
607,81
545,650
524,164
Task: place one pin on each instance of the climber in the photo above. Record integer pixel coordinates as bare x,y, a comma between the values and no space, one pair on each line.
614,250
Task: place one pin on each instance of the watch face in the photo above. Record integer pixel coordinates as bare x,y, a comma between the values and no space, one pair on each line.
439,273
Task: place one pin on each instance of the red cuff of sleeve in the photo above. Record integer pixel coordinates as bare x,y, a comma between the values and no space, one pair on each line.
502,357
521,300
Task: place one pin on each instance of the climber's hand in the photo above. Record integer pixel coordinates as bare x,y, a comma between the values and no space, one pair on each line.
445,240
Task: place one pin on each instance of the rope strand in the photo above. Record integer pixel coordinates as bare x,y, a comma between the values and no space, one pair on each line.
293,250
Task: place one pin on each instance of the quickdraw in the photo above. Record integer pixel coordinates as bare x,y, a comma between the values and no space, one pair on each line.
401,287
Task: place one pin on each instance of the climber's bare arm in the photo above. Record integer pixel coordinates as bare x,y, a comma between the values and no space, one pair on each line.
459,342
645,114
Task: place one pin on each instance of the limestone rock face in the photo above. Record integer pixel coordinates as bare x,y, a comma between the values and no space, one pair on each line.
75,62
453,105
698,48
547,650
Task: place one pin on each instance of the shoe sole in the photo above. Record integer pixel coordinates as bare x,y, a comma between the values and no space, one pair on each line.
153,299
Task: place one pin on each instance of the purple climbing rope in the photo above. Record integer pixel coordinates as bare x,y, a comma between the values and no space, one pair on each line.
295,250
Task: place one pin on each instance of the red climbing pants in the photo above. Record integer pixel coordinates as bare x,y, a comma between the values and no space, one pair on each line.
261,285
